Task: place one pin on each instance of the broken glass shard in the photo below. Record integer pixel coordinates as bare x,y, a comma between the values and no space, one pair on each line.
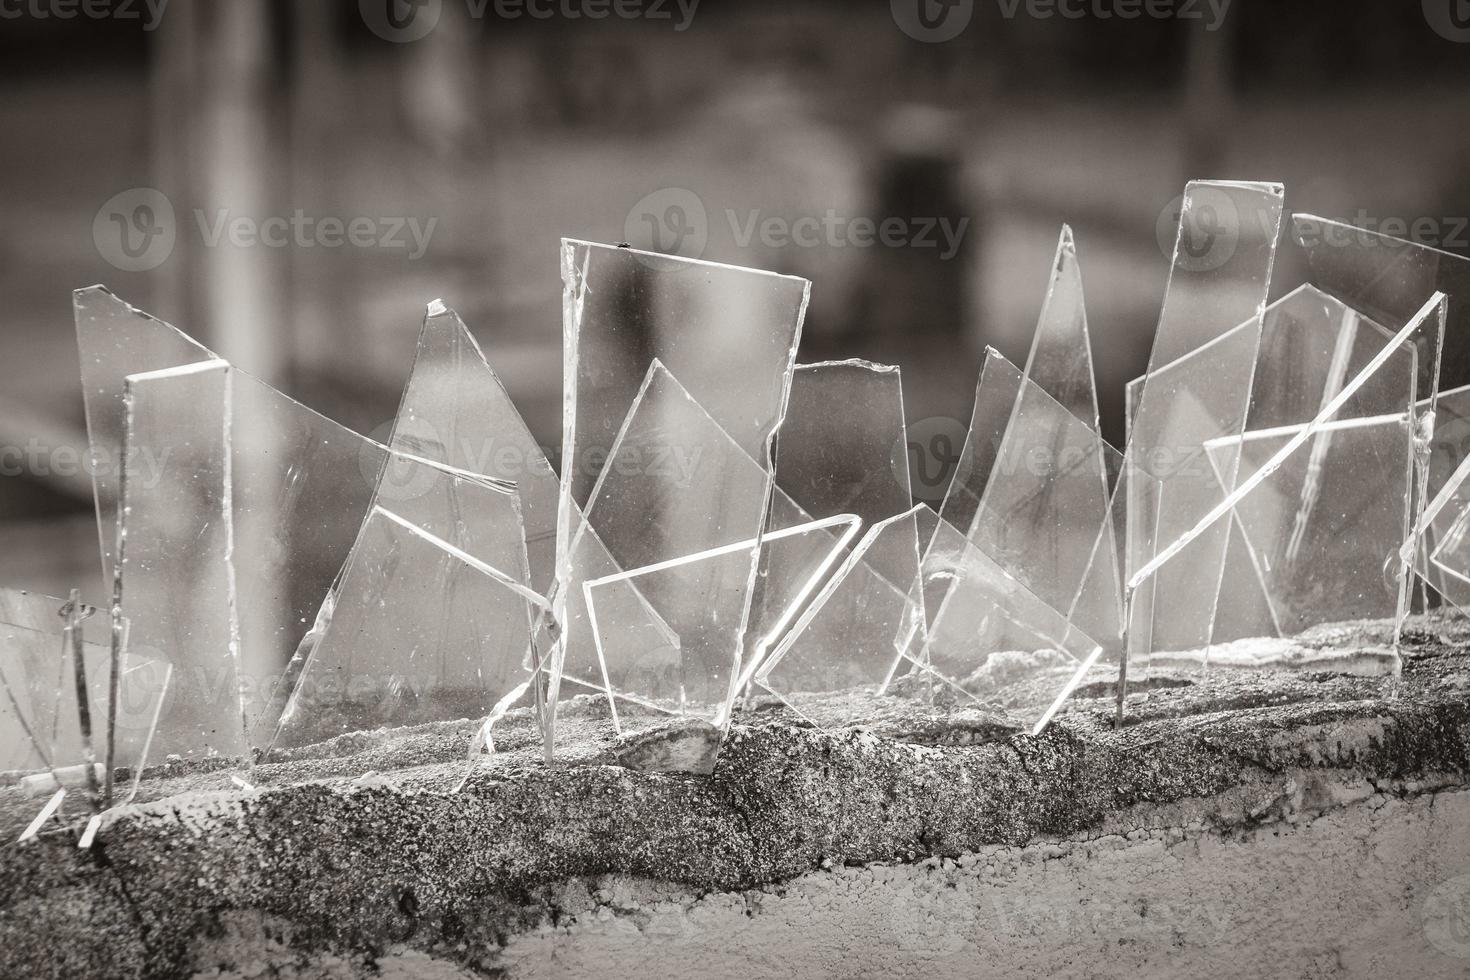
695,675
421,632
1060,360
1222,262
853,632
1430,319
840,447
1322,532
995,640
1047,501
301,486
116,340
456,412
730,336
175,544
42,729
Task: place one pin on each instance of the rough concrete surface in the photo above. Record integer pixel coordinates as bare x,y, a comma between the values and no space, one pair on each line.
1262,822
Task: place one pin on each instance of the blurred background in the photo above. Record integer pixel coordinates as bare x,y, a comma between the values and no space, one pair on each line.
291,182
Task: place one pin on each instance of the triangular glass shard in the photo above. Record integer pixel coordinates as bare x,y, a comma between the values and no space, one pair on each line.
421,632
694,676
42,729
456,412
175,549
1222,262
852,633
841,446
995,640
116,340
995,398
1047,501
1060,361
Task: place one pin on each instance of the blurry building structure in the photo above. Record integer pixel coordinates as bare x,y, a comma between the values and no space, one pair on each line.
498,137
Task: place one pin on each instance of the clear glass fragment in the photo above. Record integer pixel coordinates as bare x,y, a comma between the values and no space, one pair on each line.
730,336
1322,532
696,674
856,628
1060,360
995,640
1221,271
175,547
421,632
456,412
40,728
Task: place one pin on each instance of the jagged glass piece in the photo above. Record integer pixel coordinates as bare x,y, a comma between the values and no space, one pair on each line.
995,398
729,335
1220,274
1430,319
175,545
855,630
1060,360
1449,562
116,340
1047,501
1321,533
456,412
836,450
695,676
994,639
302,486
421,631
40,727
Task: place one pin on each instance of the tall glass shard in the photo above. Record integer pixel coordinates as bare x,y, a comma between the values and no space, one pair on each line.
1060,360
422,631
302,486
116,340
456,412
175,548
1221,271
730,336
1048,500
